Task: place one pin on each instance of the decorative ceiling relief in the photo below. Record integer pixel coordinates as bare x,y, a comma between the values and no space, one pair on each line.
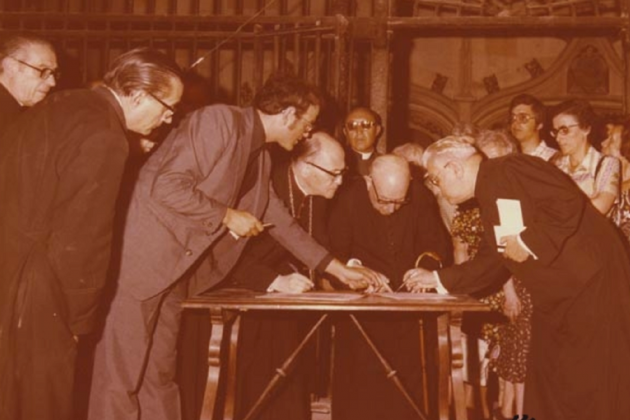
588,73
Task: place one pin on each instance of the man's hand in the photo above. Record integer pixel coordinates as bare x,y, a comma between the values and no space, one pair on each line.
513,250
242,223
512,304
291,283
359,277
418,279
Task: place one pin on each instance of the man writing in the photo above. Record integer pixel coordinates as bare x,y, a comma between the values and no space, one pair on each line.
570,259
203,193
305,185
387,221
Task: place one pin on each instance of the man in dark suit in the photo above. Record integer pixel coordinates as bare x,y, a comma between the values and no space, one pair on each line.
387,221
544,230
362,128
204,192
28,70
60,169
305,185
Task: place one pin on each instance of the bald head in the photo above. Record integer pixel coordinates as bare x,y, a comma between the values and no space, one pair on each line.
319,164
318,144
388,183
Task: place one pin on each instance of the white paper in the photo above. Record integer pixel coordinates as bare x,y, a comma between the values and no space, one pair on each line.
511,219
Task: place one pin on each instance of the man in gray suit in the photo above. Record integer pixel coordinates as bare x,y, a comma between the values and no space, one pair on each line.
203,193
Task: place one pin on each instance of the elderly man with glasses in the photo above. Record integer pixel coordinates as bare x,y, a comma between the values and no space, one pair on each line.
385,220
61,167
28,70
305,185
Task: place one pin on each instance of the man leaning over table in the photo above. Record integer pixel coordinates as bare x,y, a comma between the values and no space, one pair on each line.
203,193
386,220
571,260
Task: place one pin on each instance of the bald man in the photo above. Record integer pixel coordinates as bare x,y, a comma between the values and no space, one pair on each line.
362,128
305,184
385,220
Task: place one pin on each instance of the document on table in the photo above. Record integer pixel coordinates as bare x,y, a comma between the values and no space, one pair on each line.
415,296
511,219
311,296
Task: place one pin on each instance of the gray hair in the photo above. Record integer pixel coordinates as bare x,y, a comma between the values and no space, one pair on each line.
449,148
142,69
10,44
496,138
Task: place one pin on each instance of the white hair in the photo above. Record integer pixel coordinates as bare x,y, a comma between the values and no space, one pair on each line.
449,148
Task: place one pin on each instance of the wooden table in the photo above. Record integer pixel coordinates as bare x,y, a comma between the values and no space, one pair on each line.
225,306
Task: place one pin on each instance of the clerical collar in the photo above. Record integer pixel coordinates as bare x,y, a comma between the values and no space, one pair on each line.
365,156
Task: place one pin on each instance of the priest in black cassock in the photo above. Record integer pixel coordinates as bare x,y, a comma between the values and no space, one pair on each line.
266,339
541,227
362,128
384,220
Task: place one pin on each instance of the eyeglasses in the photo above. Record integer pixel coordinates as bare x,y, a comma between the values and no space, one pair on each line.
309,124
521,118
435,179
385,201
360,125
164,104
44,73
564,130
337,174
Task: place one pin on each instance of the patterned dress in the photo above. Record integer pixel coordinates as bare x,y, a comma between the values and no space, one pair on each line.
508,341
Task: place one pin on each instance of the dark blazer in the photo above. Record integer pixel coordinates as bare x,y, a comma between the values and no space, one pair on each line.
580,286
60,170
181,198
264,258
9,109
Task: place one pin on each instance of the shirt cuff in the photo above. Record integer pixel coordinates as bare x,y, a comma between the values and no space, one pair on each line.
525,247
440,287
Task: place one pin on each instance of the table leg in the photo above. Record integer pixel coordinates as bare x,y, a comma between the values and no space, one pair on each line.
230,386
282,371
220,320
391,373
457,363
444,357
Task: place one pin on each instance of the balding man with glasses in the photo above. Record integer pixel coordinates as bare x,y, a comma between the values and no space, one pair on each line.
28,70
386,221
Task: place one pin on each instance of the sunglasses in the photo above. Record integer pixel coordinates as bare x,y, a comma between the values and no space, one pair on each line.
360,125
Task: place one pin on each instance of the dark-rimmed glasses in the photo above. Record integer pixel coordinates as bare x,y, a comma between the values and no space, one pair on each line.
384,201
564,130
44,73
164,104
360,125
521,118
336,174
